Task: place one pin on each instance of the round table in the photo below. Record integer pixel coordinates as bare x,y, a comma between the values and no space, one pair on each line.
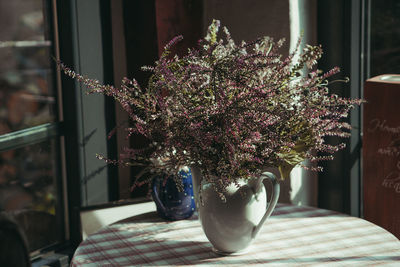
292,236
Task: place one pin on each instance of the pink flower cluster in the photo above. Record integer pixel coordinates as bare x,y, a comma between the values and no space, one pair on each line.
231,109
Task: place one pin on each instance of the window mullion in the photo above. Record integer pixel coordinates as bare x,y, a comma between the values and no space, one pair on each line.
29,136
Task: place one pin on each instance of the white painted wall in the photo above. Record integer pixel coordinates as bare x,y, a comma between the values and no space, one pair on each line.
302,17
94,220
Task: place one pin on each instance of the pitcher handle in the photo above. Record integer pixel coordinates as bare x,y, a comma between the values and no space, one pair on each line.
272,203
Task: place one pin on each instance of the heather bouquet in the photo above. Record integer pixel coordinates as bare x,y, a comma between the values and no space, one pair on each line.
230,109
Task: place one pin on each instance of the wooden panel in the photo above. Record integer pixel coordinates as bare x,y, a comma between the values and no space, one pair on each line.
140,33
381,152
179,17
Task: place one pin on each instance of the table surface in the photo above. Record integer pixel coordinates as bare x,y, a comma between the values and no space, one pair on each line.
292,236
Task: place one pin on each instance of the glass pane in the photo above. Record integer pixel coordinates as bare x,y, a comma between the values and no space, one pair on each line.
26,91
385,37
29,192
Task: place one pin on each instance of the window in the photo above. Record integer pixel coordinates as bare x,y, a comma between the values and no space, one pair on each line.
384,38
362,37
50,129
30,133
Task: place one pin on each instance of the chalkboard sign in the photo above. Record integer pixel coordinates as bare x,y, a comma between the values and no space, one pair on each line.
381,152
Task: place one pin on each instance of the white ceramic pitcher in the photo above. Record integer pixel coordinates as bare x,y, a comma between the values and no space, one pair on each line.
231,226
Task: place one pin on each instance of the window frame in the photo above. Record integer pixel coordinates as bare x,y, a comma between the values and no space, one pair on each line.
345,42
85,45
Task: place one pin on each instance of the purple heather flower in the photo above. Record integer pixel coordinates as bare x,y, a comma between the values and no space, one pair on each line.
232,109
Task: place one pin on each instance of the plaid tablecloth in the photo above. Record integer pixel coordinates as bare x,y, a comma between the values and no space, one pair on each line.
292,236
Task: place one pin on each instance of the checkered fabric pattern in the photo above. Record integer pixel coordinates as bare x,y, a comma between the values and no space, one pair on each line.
292,236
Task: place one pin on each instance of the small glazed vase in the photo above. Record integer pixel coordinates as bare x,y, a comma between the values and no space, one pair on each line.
232,225
172,204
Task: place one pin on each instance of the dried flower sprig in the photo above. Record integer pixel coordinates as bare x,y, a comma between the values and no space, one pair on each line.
231,109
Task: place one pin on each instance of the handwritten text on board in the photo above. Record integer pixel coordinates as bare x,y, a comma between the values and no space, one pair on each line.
392,150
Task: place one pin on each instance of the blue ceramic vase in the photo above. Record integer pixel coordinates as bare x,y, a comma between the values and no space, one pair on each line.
172,204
